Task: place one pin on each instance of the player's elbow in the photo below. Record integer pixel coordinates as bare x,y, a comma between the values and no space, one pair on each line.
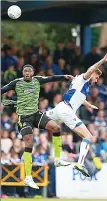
88,74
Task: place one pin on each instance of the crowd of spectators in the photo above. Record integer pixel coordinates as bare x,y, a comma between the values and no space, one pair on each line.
66,59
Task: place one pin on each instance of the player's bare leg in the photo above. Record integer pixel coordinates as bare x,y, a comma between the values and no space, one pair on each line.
28,139
53,128
83,132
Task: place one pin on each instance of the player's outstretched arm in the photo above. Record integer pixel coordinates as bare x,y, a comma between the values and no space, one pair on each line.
54,78
8,87
95,67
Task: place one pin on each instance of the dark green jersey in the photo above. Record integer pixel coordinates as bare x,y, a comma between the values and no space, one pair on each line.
28,92
27,96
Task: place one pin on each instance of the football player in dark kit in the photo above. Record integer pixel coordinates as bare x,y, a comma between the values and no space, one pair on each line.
27,90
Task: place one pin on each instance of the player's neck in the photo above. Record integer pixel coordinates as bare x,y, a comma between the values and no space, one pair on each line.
27,80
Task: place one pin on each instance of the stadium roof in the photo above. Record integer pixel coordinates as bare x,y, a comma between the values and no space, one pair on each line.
84,13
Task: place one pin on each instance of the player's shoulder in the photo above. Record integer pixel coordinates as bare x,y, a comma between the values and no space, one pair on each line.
39,78
80,77
19,79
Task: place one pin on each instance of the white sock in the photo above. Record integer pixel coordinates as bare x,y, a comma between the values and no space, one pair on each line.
28,177
83,151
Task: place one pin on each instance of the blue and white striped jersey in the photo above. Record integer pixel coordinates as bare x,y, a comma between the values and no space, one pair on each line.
78,91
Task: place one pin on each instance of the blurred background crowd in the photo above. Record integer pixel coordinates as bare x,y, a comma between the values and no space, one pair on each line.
66,59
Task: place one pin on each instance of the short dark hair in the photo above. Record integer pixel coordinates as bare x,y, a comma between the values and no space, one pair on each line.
28,66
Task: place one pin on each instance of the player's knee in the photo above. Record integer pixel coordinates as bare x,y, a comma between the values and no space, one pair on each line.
52,127
89,136
28,139
56,129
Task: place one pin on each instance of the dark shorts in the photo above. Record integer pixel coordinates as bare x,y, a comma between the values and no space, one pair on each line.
36,120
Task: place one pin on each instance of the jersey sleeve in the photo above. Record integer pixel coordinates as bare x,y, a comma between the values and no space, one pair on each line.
8,87
81,78
54,78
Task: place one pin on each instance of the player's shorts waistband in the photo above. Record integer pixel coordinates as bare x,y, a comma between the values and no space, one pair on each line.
27,115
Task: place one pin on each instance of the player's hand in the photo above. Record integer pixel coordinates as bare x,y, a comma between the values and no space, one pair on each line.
91,108
94,107
105,58
69,77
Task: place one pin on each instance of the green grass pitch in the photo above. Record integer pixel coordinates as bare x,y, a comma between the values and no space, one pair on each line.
48,199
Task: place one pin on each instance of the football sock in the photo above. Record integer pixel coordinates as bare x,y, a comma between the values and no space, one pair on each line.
57,143
83,151
28,161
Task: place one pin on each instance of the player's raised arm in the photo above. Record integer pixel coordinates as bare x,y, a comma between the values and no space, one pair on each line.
54,78
95,67
8,87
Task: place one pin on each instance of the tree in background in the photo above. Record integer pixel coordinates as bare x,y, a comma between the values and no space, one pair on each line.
25,32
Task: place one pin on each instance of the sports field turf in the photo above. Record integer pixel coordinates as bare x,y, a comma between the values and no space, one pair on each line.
22,199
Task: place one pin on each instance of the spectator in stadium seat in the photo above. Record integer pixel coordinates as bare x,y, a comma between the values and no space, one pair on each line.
12,135
92,57
36,63
50,65
43,157
79,58
20,62
45,53
94,96
29,50
91,126
8,59
94,144
35,155
22,146
9,42
103,151
5,158
15,50
10,74
99,120
14,157
70,53
62,66
69,148
101,139
60,52
17,146
101,105
40,48
85,114
55,88
6,142
10,96
6,122
14,119
43,105
47,93
57,99
63,87
102,89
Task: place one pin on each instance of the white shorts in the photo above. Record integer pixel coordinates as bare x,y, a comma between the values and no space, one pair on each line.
66,114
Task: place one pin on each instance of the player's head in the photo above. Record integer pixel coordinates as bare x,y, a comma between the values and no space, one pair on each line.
95,76
28,72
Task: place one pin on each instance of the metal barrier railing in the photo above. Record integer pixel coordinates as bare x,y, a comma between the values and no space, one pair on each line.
14,175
